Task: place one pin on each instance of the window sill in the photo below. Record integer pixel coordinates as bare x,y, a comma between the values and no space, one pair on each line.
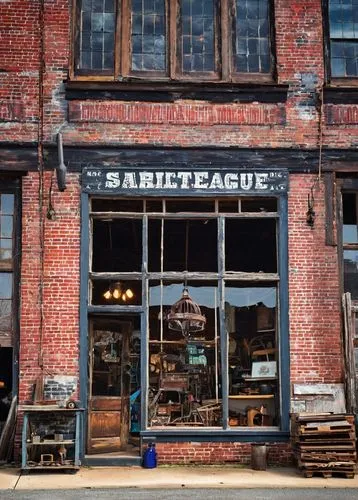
215,434
171,92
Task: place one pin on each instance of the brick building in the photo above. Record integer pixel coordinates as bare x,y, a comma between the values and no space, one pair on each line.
181,273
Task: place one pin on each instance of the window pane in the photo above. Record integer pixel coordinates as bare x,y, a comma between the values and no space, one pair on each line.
350,229
5,285
351,272
251,42
343,17
5,251
184,367
197,35
120,292
7,204
250,245
344,58
97,31
250,320
148,25
110,253
190,245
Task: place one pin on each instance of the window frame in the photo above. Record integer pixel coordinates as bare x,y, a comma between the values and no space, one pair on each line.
222,275
8,187
224,41
333,80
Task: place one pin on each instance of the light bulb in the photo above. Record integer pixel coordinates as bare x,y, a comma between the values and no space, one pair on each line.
129,293
116,293
107,295
124,297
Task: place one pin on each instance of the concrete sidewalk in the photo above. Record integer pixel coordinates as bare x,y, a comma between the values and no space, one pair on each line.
168,477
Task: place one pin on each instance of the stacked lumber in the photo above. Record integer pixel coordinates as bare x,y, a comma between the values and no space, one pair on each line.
324,444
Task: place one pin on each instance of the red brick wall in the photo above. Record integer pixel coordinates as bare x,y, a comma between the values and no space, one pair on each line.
53,339
299,51
219,453
314,295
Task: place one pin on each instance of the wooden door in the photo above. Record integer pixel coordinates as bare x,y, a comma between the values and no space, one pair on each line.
109,388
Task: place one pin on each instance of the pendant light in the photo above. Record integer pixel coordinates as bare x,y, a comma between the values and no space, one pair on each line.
118,291
185,315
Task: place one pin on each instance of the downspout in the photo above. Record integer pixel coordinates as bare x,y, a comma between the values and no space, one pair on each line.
40,154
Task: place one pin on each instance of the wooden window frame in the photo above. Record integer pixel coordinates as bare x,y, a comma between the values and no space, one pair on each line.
349,81
224,40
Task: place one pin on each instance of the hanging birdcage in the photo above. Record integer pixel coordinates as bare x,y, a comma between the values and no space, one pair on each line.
185,316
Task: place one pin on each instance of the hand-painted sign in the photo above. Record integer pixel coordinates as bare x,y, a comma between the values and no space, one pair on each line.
154,181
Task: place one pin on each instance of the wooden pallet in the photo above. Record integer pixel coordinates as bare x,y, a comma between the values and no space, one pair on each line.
328,473
329,457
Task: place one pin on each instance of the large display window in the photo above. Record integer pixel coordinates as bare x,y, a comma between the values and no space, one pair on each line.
204,275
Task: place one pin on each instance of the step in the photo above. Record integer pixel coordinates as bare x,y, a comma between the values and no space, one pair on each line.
112,461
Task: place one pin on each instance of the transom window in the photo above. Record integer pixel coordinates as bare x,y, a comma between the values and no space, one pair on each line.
225,40
343,33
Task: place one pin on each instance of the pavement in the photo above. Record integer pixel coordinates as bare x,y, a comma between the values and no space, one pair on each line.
165,477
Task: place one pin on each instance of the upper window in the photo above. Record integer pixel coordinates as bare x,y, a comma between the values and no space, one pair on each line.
227,40
343,33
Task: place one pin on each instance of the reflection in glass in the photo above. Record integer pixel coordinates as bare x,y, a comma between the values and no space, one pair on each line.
250,319
184,373
197,35
148,37
7,203
96,44
252,42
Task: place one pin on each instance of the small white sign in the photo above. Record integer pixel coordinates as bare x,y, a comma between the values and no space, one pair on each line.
264,369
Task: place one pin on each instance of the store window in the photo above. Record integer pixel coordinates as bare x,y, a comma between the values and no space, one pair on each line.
343,36
166,39
205,275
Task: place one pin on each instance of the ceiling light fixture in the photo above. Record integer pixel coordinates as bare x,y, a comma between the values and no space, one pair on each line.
118,291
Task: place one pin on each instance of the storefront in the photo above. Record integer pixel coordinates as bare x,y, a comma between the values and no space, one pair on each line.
184,306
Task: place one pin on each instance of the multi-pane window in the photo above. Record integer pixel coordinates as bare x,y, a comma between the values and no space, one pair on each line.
219,357
7,202
224,40
343,33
